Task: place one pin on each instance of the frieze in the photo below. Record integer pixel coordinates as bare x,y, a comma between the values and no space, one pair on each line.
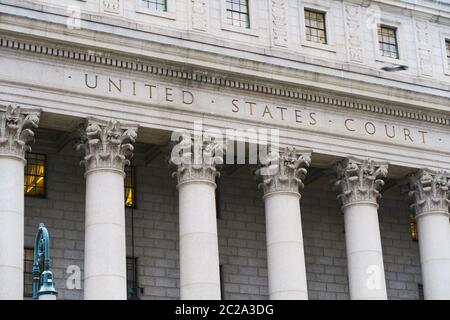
295,95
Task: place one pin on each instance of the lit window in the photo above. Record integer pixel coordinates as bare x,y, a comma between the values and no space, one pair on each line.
315,26
35,175
132,283
387,41
413,225
237,13
158,5
130,188
447,49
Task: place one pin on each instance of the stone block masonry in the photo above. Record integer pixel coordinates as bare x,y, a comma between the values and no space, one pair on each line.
241,230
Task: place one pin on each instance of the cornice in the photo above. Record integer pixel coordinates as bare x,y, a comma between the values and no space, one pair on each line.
158,69
125,36
430,8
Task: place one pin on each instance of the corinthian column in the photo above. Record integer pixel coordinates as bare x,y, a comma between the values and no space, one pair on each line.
282,177
107,147
199,251
430,192
16,133
359,183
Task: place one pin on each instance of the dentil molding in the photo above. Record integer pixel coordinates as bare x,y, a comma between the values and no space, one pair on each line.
99,58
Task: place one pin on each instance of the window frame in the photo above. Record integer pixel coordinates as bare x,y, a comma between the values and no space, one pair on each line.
25,260
247,3
136,280
395,31
217,197
420,291
44,194
400,35
445,37
170,13
133,170
413,226
222,282
324,15
253,29
329,18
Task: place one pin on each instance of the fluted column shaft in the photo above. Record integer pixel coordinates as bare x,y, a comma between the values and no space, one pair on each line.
430,192
358,182
199,248
107,148
281,179
16,133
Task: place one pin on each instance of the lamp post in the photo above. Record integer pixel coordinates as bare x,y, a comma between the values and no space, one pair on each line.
45,290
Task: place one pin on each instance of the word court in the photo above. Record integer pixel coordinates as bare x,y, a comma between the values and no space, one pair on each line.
266,111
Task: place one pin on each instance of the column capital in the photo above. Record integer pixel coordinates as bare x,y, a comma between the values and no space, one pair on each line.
196,159
429,191
359,180
283,171
106,144
16,130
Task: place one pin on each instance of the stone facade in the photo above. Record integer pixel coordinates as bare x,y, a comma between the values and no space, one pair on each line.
135,77
241,228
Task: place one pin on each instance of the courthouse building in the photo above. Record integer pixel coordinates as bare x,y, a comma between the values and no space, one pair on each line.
354,204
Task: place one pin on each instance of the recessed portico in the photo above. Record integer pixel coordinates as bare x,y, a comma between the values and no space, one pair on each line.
206,228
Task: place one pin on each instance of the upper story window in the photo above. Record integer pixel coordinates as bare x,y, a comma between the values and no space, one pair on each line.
157,5
447,50
238,13
387,41
35,175
315,26
130,187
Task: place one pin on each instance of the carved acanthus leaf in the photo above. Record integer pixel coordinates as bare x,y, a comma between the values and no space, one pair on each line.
429,191
16,130
197,159
358,180
106,145
284,171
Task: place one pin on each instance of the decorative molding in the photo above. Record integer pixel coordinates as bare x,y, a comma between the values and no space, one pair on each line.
16,130
106,144
429,191
279,23
353,33
284,171
424,48
111,6
196,159
358,180
304,95
199,15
